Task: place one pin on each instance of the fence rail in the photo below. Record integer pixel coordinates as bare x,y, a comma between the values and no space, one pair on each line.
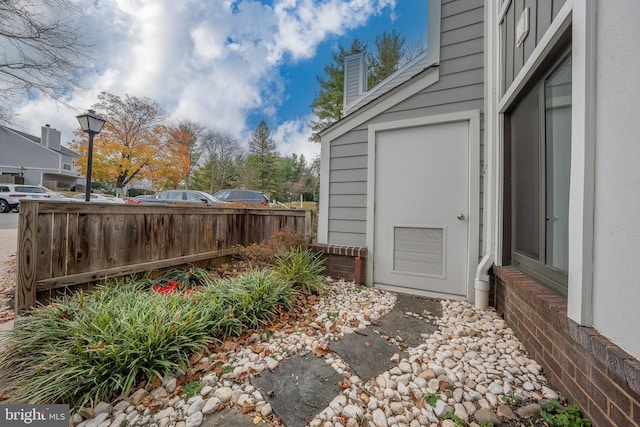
64,245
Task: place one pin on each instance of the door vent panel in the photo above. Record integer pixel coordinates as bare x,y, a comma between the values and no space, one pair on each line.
419,250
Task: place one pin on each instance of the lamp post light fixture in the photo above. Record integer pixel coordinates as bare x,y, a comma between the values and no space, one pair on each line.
90,123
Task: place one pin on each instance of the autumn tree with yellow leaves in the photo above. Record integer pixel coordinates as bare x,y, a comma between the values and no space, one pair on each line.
133,144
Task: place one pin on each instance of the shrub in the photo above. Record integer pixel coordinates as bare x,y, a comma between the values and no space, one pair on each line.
88,347
302,269
251,299
267,251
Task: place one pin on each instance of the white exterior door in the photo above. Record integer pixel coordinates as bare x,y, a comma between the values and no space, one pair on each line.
421,209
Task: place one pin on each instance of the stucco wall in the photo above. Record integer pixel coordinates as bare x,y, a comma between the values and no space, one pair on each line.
616,289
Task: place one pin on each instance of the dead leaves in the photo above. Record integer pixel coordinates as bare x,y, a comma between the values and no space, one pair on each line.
419,402
322,349
344,384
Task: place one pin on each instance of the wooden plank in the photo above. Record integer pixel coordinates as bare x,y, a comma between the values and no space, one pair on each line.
107,244
82,253
75,279
95,242
25,296
71,244
58,251
43,238
120,253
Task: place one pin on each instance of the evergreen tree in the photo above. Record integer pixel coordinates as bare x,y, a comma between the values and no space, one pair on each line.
327,105
387,60
261,161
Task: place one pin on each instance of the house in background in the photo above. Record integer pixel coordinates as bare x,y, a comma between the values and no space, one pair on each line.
501,165
39,160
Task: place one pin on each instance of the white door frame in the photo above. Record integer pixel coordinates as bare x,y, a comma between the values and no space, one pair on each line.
473,233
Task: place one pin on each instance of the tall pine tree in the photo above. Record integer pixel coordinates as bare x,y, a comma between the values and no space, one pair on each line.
389,54
327,105
261,161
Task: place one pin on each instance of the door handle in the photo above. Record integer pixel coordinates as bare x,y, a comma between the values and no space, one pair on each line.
460,217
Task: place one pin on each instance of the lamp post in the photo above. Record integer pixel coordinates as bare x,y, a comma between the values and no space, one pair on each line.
90,123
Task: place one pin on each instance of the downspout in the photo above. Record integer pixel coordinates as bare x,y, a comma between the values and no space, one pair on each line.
491,160
482,282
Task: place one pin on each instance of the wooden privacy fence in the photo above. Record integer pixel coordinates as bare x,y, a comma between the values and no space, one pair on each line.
66,244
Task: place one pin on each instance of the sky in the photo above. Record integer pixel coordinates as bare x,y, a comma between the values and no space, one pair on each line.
226,64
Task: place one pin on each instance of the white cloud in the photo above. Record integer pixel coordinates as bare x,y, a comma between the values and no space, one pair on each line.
211,61
293,137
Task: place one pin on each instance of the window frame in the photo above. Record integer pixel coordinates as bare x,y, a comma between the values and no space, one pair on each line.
536,268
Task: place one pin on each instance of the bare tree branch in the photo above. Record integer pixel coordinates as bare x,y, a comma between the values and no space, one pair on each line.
41,50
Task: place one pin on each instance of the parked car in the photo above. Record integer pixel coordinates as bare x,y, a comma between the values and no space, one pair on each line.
251,197
60,197
11,194
103,198
176,197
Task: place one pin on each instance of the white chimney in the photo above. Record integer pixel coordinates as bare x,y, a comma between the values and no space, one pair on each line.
50,137
355,77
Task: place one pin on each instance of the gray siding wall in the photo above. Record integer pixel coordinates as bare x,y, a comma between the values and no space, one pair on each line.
460,88
15,150
541,15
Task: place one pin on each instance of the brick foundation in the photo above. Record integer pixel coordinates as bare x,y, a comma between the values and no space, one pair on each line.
583,365
340,261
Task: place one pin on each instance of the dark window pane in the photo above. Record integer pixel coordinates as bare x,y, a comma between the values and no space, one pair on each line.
526,176
558,165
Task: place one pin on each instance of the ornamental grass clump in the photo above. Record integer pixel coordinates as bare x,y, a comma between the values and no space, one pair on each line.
91,347
250,300
302,269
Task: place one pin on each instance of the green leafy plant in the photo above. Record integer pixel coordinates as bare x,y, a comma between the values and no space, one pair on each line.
432,398
226,369
183,278
557,413
508,400
189,277
302,269
250,300
89,347
459,422
191,389
486,424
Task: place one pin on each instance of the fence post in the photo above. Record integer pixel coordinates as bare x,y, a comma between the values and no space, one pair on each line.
26,257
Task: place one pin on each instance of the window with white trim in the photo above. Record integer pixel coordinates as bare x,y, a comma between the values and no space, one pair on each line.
538,131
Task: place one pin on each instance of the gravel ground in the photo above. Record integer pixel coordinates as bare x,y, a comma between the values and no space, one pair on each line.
473,363
7,273
472,367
